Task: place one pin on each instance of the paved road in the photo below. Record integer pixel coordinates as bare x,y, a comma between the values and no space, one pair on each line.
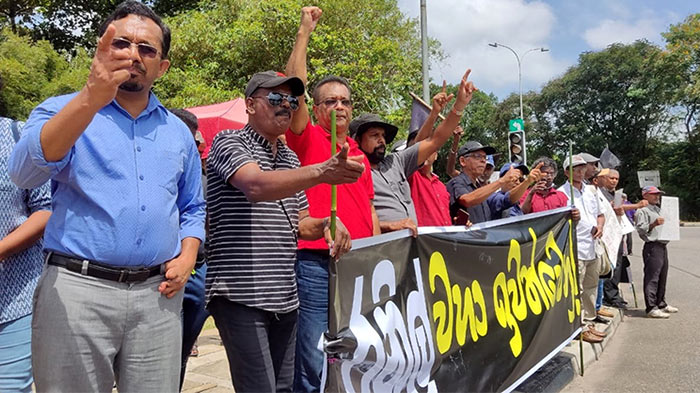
655,355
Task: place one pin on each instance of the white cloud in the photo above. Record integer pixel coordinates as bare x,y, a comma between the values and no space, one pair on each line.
612,31
466,27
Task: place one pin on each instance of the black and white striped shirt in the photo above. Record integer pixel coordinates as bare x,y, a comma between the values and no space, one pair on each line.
252,246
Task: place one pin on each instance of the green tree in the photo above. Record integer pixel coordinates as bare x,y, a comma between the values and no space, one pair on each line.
610,98
681,62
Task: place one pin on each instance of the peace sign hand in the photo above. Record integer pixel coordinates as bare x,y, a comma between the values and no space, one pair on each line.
110,68
441,99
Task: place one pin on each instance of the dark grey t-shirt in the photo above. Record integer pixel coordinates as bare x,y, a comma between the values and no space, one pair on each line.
392,193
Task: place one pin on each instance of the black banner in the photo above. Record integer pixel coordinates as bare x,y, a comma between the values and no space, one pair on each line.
453,309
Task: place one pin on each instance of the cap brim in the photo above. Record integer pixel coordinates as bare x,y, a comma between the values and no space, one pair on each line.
294,83
486,149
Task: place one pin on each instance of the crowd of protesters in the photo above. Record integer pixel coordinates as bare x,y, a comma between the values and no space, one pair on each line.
130,215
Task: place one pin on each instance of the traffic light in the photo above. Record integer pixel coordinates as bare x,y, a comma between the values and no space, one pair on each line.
516,146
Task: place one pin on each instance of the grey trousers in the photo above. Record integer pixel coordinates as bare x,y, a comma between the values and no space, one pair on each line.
89,332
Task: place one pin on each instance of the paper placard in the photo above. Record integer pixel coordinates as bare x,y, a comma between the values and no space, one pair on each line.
669,211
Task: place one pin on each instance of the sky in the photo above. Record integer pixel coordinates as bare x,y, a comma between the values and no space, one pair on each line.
565,27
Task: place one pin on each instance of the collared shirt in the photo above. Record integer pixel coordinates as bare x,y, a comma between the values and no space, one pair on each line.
643,219
252,245
354,199
392,193
20,272
127,192
553,199
431,200
587,204
463,184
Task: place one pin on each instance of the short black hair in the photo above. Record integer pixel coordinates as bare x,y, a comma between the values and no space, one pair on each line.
188,118
546,162
131,7
330,79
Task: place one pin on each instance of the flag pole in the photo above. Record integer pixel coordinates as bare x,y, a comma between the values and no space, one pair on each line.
334,195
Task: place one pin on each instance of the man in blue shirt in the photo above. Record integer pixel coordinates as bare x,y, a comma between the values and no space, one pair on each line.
128,218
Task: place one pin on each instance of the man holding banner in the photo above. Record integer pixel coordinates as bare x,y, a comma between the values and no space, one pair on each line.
588,229
312,144
257,212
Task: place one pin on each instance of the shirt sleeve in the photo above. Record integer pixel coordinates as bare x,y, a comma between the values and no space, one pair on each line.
408,159
642,221
499,201
299,143
190,197
458,189
39,198
228,154
27,166
366,179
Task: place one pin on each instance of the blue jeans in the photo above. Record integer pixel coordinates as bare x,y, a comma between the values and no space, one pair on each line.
312,286
16,355
599,298
193,314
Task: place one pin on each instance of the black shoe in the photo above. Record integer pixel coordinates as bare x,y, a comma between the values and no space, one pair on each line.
619,305
599,319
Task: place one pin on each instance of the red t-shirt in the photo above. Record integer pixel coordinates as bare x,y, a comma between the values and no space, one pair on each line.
431,200
353,209
552,200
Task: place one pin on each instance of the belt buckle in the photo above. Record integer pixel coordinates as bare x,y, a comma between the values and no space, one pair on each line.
123,275
132,276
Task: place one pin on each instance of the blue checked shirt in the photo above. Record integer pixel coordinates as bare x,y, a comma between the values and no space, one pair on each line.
19,273
126,193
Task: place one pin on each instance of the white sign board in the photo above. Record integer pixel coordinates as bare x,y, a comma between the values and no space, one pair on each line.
612,231
669,211
649,178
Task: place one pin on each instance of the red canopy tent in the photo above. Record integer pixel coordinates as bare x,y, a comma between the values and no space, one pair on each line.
217,117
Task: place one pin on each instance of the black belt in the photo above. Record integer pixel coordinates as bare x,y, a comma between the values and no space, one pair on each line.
94,269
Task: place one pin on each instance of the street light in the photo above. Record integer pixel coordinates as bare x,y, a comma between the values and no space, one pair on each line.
520,89
520,79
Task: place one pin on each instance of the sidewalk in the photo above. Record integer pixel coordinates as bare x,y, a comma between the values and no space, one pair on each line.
208,372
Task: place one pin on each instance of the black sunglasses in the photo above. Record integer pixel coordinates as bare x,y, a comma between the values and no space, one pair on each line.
275,99
145,50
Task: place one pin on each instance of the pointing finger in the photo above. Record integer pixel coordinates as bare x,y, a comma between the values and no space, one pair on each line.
444,86
105,41
466,74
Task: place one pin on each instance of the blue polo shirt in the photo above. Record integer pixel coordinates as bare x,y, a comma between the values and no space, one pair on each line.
126,193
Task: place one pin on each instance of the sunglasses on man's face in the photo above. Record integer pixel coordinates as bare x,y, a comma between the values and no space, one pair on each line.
145,50
275,99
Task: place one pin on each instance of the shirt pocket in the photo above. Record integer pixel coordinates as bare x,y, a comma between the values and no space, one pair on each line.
169,169
401,189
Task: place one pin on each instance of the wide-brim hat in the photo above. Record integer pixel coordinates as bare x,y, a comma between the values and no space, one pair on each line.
577,160
368,120
472,146
269,79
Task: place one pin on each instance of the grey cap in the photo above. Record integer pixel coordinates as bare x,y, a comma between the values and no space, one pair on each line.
472,146
589,158
577,161
366,120
270,79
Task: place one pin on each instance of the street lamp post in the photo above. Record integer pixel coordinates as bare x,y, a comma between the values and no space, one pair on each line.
520,80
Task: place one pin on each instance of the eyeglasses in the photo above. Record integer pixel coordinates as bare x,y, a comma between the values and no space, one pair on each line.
275,99
331,102
145,50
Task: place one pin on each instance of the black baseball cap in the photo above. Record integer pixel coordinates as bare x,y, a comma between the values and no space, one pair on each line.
472,146
367,120
270,79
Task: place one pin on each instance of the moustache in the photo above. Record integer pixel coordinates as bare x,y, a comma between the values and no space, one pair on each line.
139,67
285,112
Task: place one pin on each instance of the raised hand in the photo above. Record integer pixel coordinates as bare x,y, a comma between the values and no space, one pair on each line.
309,18
110,68
535,174
341,169
441,99
465,92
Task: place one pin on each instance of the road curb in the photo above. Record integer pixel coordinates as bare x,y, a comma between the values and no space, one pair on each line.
559,371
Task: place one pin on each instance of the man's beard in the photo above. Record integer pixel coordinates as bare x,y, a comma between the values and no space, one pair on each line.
131,86
377,155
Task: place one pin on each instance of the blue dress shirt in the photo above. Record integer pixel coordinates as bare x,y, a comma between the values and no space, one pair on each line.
126,193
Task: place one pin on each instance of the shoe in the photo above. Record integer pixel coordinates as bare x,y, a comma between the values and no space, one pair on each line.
656,313
596,332
620,305
590,338
599,319
605,313
670,309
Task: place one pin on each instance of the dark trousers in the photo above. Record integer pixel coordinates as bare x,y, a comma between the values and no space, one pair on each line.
611,291
193,314
259,345
655,258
